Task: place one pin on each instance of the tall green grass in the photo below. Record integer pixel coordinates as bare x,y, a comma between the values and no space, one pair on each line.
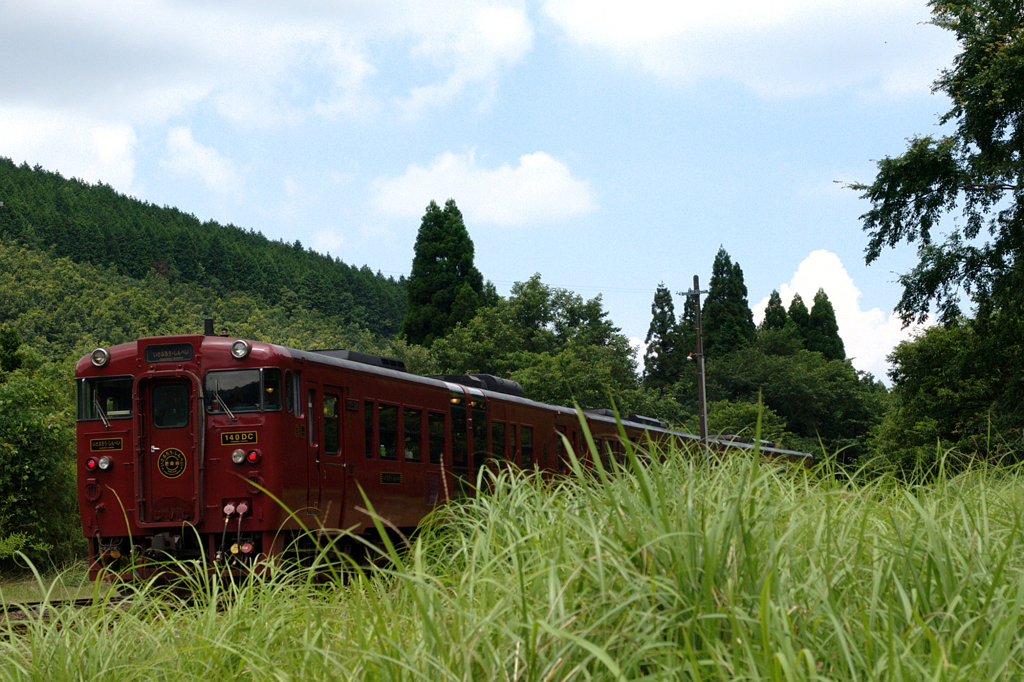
686,569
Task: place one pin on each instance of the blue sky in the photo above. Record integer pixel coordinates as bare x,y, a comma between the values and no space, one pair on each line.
608,146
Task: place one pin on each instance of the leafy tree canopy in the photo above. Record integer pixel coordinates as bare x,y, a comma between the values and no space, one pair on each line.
561,348
978,168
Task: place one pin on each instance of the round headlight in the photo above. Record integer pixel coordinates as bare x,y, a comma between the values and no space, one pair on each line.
90,464
252,456
105,463
240,349
238,456
100,357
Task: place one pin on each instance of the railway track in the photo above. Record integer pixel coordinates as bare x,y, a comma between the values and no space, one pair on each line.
16,619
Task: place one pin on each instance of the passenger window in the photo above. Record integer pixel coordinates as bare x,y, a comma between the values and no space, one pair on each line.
526,437
387,422
289,390
413,434
460,451
331,421
435,428
368,428
498,440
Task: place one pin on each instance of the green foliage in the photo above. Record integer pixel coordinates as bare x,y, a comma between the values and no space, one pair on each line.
820,401
774,314
663,361
948,393
445,288
38,508
96,225
740,419
951,381
560,348
823,330
726,320
799,319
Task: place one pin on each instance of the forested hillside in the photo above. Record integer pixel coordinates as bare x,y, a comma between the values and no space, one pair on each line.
94,224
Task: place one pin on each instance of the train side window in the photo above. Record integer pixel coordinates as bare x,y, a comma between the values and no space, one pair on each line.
311,422
289,392
513,452
387,424
297,393
498,440
331,423
435,436
412,434
272,389
526,438
479,412
561,448
460,426
368,429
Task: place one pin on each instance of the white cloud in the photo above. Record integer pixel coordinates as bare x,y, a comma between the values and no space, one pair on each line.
774,47
868,335
79,147
186,157
540,189
262,64
472,44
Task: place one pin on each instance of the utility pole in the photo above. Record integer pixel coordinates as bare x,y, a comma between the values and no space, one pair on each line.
702,396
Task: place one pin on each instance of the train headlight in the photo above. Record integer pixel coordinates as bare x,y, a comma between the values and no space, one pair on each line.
105,463
240,349
100,357
238,456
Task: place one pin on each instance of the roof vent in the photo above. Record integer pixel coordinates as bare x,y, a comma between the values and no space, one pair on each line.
487,382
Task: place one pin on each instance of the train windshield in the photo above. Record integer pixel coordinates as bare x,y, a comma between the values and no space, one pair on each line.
106,398
243,390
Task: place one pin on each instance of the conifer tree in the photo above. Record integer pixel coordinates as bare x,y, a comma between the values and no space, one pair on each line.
823,330
664,356
799,317
774,314
444,288
726,319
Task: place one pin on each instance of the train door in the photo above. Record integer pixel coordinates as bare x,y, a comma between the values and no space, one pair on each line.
314,451
334,455
170,451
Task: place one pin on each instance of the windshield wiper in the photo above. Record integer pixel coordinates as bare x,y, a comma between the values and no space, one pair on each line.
99,410
224,405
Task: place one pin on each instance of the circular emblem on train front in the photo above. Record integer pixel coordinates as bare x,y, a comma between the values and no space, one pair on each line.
171,463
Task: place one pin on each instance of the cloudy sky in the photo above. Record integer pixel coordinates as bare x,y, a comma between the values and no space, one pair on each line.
608,146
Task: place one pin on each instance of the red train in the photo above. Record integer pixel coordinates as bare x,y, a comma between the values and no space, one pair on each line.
184,442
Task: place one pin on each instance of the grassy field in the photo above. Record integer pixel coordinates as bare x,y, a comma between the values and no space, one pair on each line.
737,571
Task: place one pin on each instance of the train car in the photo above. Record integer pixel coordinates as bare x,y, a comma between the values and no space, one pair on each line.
227,450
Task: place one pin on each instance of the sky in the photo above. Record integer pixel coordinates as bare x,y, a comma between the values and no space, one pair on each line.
607,146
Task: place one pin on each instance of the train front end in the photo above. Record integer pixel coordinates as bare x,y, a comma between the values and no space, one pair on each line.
172,438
